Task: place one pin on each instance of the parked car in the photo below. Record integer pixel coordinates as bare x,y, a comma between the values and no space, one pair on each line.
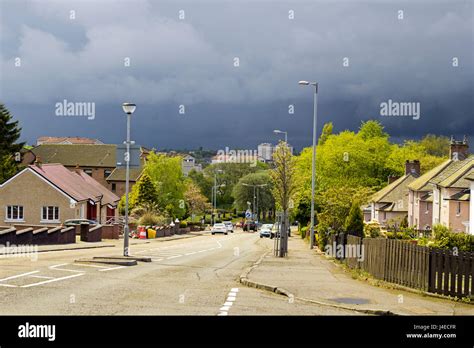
266,230
73,222
250,226
239,224
229,225
276,231
219,228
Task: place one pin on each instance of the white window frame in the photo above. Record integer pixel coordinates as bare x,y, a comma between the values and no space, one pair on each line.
55,219
22,219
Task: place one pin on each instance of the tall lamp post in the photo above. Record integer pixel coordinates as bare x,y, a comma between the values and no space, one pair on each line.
129,109
255,207
313,165
214,195
277,131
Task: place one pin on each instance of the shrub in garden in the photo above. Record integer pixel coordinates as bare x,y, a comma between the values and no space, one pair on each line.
150,219
372,230
446,239
303,232
183,224
354,223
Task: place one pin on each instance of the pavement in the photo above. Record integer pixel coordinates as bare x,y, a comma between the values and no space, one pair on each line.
309,277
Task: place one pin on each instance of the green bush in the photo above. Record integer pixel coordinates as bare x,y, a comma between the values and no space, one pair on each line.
323,235
446,239
183,224
397,235
372,230
303,232
150,219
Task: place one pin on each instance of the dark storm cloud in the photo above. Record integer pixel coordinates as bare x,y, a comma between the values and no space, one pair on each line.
190,62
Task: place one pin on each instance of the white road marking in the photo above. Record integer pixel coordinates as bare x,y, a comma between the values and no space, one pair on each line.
18,276
231,297
52,280
96,266
173,257
190,253
110,269
8,285
43,277
55,267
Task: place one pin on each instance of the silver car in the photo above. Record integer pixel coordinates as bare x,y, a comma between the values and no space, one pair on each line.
266,230
229,225
219,228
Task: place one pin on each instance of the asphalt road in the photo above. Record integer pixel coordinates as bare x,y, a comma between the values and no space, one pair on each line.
192,276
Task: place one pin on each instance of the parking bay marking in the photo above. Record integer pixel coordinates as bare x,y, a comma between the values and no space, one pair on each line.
52,280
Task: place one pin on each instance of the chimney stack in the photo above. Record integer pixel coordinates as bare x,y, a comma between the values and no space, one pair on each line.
413,168
459,150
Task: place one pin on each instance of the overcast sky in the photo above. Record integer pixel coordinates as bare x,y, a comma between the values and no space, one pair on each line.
191,61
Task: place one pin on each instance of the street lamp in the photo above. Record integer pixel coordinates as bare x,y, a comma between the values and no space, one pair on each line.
277,131
255,207
214,195
129,109
313,165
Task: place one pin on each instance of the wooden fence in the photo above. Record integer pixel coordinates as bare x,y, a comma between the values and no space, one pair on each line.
411,265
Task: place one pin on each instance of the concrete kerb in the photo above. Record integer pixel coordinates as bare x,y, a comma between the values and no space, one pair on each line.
281,291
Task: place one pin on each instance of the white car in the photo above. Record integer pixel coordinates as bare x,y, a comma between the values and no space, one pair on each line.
266,230
229,225
219,228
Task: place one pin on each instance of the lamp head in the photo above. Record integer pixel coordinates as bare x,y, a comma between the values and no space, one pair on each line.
129,108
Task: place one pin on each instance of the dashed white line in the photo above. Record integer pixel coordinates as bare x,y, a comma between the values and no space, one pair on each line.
231,297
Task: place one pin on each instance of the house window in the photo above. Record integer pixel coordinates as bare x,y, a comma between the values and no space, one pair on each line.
458,208
114,187
50,213
88,171
14,213
107,172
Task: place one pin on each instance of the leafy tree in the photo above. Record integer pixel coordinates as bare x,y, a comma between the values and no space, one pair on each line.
326,132
196,202
354,223
372,129
284,185
167,176
436,145
146,190
230,175
9,135
204,182
336,204
410,150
